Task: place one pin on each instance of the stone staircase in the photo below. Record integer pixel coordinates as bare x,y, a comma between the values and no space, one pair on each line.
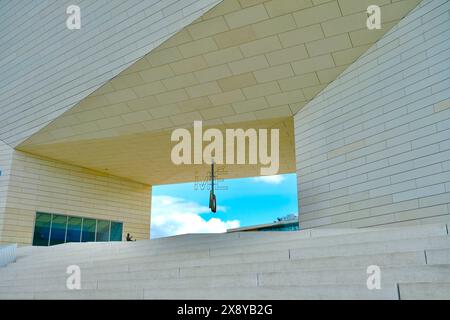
308,264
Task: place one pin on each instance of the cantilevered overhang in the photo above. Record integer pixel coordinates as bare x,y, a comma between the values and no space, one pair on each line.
146,157
243,64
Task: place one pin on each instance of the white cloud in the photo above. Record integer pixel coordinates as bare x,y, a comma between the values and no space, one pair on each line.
172,216
270,179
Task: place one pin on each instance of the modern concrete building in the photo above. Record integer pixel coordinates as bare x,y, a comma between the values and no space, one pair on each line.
86,115
286,223
274,226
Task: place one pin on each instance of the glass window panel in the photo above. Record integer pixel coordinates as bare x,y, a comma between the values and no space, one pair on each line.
58,231
52,229
41,229
102,230
74,229
88,233
116,231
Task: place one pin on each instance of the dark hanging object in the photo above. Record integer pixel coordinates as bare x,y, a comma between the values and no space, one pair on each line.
212,196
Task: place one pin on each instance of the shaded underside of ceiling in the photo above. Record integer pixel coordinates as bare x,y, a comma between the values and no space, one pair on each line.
146,157
243,64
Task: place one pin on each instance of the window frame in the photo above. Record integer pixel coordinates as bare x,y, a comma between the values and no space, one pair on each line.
51,215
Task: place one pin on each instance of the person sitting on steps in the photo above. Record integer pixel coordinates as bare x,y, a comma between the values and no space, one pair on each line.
129,237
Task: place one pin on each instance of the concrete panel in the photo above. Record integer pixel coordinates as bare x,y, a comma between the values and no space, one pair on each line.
380,128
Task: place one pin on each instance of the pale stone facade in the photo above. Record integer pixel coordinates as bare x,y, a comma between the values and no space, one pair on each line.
363,114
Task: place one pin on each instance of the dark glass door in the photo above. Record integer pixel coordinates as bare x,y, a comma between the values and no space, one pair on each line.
116,231
88,233
58,231
42,229
74,229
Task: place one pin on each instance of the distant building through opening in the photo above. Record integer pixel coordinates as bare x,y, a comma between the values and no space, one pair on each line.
286,223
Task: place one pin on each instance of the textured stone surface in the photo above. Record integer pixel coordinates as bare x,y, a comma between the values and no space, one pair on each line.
249,265
372,148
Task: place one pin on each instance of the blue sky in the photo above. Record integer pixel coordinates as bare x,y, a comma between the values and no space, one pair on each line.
183,208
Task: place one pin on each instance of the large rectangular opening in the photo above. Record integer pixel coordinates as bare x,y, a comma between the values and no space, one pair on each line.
242,202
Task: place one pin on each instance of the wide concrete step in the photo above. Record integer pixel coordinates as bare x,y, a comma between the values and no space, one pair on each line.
151,262
414,258
125,272
310,264
335,238
336,292
424,291
261,244
356,292
114,272
389,275
196,258
87,277
327,238
350,276
200,258
372,247
438,256
327,235
237,281
233,244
